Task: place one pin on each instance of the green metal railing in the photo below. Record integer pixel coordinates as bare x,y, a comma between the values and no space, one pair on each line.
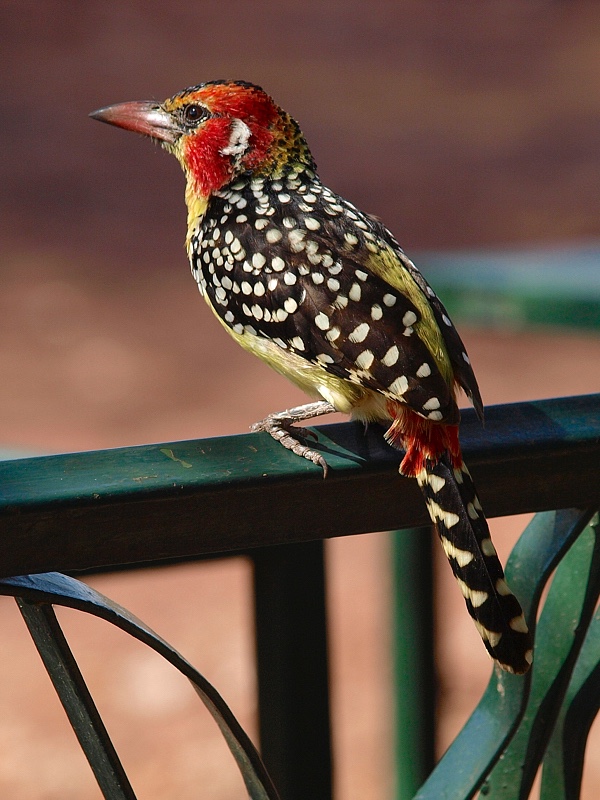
161,504
552,286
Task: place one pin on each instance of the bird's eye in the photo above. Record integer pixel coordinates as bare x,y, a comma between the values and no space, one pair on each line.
193,114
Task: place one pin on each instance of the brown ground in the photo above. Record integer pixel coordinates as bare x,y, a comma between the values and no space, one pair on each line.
460,125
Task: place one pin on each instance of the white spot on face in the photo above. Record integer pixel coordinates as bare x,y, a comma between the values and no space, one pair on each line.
424,371
360,333
278,264
312,224
409,319
376,312
391,356
355,292
298,343
322,321
290,305
432,404
399,386
389,300
364,359
239,137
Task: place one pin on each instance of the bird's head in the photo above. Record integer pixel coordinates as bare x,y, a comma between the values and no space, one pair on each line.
218,131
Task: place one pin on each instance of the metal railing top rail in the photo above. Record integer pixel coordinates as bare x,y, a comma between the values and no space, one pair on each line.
164,502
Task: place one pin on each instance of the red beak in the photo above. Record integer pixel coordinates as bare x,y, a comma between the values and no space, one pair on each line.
143,117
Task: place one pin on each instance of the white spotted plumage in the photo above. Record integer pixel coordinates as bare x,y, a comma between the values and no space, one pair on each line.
323,293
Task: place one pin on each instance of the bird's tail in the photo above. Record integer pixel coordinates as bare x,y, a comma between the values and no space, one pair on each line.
456,512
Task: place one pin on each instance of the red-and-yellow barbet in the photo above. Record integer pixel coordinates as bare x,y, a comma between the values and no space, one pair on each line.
324,294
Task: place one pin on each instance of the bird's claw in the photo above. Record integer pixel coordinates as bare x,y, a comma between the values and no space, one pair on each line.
288,435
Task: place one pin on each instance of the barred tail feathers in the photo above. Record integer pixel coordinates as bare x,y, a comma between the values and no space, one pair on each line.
454,508
434,458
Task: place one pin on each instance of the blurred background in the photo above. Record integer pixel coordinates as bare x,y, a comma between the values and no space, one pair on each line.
469,128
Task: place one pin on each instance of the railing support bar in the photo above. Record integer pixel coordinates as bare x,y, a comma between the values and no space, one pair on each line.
414,658
293,691
76,699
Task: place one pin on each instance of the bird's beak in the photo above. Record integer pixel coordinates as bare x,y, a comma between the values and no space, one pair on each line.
143,117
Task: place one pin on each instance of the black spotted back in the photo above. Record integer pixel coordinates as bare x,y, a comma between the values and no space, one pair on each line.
287,260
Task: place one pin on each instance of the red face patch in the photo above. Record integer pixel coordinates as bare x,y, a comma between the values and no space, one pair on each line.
203,149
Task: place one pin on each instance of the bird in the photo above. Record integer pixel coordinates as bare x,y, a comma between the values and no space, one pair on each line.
323,293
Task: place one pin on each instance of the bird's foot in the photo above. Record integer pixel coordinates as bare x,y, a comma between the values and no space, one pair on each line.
281,427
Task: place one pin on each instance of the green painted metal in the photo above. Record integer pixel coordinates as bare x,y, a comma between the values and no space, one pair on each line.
563,762
157,503
56,589
563,623
482,741
557,286
160,503
76,699
292,670
413,629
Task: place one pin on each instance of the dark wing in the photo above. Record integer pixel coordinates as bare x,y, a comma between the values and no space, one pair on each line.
454,344
301,281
